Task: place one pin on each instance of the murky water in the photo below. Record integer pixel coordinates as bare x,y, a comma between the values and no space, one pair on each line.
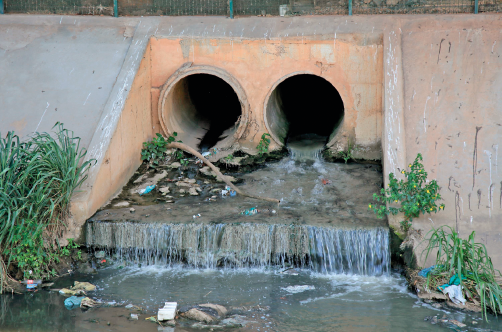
322,225
267,299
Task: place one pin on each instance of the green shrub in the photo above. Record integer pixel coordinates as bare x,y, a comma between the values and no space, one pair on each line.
415,195
37,180
467,259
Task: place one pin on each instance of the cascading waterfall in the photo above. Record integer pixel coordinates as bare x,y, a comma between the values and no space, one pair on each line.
322,249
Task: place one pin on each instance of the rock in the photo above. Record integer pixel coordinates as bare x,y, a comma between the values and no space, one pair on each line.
206,170
141,178
431,296
182,191
134,316
164,190
174,165
193,192
133,307
191,181
122,204
71,292
436,305
183,184
198,315
170,322
206,327
100,254
456,322
132,210
88,303
222,311
85,268
234,321
85,286
467,307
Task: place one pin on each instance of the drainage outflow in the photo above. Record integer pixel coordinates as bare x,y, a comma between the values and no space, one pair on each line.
304,109
206,110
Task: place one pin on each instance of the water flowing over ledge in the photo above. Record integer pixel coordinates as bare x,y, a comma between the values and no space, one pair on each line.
321,249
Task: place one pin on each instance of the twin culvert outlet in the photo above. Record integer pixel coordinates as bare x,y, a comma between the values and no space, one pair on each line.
209,108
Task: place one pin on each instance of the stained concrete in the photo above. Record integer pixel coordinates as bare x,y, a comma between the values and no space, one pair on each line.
436,90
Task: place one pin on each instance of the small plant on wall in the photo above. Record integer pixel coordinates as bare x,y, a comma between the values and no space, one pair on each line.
263,145
413,195
153,151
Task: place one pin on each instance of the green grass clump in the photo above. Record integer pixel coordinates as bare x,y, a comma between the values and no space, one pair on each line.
37,179
466,258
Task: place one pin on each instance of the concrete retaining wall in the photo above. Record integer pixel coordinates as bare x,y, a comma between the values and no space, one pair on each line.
410,84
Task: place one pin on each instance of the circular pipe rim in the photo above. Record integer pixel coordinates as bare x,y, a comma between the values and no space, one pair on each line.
188,70
332,141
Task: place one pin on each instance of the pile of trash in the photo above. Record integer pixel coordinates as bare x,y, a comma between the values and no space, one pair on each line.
201,316
78,295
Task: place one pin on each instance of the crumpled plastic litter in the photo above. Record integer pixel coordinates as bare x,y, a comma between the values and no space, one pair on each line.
73,302
426,271
250,212
146,190
455,294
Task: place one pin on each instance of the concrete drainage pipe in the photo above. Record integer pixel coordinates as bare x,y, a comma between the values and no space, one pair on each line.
206,107
303,107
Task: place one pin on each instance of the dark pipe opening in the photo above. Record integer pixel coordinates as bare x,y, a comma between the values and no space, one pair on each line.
217,107
304,107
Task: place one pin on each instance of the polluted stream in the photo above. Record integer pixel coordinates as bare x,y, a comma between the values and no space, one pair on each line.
320,261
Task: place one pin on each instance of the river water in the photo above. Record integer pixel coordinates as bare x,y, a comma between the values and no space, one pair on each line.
268,299
341,281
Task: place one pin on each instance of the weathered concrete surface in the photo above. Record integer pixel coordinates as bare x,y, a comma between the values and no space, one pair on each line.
453,116
444,104
59,69
260,65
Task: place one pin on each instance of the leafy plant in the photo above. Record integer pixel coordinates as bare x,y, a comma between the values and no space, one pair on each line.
468,260
154,150
37,180
229,158
347,155
414,194
263,145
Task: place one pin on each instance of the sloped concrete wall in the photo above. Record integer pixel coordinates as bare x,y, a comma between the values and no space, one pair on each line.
62,69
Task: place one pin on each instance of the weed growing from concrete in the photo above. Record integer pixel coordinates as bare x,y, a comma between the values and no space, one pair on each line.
263,145
415,195
467,259
153,151
37,180
347,155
